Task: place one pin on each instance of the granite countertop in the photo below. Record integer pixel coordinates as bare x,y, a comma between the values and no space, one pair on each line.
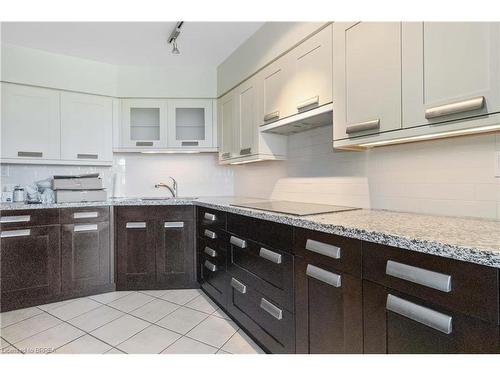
467,239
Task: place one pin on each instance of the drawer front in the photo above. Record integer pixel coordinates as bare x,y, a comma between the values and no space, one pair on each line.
455,285
397,323
340,253
269,271
269,323
28,218
209,218
77,215
214,275
166,213
268,233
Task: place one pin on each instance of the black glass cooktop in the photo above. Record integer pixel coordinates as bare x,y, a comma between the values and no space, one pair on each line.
294,208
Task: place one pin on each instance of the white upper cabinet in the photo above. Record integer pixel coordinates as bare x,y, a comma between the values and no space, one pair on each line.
86,127
30,123
190,123
450,71
366,78
247,117
274,94
228,125
311,72
144,123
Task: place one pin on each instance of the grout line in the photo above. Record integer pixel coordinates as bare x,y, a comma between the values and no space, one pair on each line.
22,320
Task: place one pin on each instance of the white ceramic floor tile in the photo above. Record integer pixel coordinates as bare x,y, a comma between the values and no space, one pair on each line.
10,350
220,351
28,327
3,343
213,331
111,296
114,351
131,302
120,329
15,316
55,305
49,340
185,345
182,320
221,314
240,343
154,293
75,308
84,345
96,318
155,310
152,340
181,296
202,303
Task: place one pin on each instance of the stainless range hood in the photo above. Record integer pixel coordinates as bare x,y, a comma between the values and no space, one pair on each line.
313,118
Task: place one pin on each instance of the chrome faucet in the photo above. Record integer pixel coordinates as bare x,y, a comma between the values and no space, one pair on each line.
173,189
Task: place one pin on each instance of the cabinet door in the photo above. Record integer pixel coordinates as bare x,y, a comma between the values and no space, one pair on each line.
228,129
135,253
30,123
144,123
451,70
190,123
30,268
311,72
247,118
86,127
367,78
396,323
175,254
273,92
329,313
85,256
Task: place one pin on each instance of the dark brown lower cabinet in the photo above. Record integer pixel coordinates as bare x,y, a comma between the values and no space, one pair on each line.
397,323
328,310
212,268
30,266
85,257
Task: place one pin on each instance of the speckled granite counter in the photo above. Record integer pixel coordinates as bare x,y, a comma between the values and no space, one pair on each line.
471,240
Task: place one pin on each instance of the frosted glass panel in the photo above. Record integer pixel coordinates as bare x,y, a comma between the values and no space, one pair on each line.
189,124
145,124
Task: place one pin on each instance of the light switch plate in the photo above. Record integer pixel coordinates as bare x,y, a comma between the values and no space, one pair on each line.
497,164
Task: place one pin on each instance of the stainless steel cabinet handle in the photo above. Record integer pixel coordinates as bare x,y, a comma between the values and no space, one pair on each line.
136,225
15,219
272,116
210,266
431,279
225,155
15,233
323,249
209,216
362,126
238,242
85,215
308,103
209,251
455,107
142,144
421,314
271,309
210,234
85,227
190,143
30,154
240,287
246,151
270,255
325,276
87,156
173,224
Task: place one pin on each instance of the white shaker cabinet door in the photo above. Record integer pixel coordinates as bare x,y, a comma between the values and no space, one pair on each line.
366,78
190,123
450,71
227,118
247,118
30,123
86,127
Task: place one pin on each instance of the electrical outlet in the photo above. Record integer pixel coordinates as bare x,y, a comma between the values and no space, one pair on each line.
497,164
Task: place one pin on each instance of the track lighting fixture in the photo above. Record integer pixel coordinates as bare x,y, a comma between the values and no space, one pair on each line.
172,39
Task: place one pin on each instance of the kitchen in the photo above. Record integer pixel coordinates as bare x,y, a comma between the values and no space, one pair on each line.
250,187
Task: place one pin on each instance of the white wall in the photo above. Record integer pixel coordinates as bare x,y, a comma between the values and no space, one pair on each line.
447,177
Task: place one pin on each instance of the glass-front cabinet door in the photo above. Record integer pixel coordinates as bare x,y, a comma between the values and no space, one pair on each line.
190,123
144,123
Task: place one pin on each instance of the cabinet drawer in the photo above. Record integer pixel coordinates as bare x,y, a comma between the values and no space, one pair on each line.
28,218
76,215
166,213
455,285
208,218
340,253
268,270
214,277
398,323
268,233
270,324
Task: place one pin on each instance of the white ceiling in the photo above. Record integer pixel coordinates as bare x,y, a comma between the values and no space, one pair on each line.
133,43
